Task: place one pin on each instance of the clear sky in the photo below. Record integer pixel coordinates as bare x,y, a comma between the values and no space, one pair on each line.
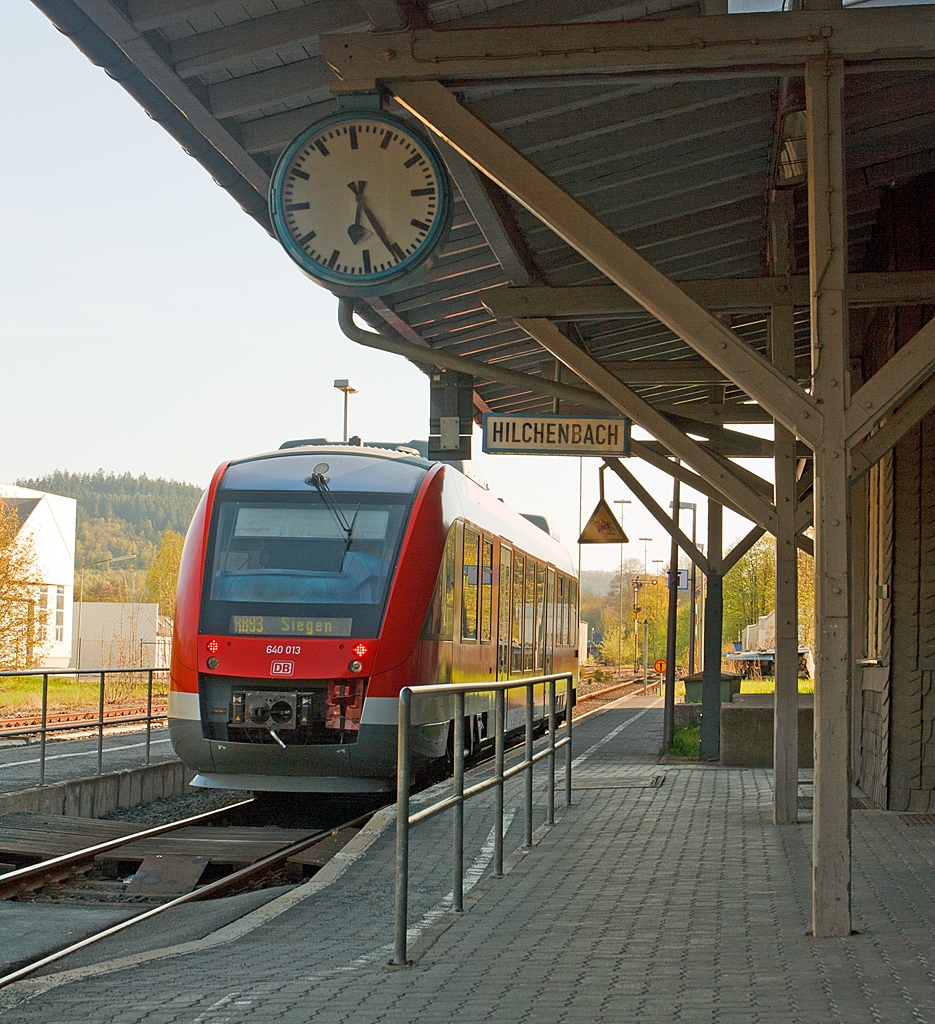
148,324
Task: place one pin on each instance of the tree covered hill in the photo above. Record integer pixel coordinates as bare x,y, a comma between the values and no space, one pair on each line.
120,515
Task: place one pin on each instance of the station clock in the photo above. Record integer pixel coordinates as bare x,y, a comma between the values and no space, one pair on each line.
359,201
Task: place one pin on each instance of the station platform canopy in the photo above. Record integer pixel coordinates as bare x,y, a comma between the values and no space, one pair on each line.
690,165
687,215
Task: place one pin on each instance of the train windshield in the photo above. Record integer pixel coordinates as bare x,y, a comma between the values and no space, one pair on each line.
284,564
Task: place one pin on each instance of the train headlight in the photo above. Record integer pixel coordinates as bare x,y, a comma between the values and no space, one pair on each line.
212,663
355,666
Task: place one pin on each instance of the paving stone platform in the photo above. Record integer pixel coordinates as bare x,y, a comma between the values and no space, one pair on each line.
663,894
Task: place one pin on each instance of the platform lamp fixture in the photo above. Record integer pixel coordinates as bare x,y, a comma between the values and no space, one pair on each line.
690,505
348,388
646,542
87,565
621,502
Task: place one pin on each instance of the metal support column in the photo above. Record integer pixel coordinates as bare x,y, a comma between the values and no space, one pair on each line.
713,626
786,696
668,718
831,839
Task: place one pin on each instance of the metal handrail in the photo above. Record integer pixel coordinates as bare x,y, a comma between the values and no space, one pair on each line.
44,729
405,820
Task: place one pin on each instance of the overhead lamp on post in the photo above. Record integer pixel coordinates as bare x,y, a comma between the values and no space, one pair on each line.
691,587
102,561
621,502
348,388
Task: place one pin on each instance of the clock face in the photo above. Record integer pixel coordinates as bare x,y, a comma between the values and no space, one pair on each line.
359,199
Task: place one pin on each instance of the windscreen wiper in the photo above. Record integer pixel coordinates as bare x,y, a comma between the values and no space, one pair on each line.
320,482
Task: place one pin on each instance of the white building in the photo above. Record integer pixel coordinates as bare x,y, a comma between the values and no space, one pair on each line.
115,635
48,522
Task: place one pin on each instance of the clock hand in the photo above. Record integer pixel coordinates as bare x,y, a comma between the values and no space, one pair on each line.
357,231
391,247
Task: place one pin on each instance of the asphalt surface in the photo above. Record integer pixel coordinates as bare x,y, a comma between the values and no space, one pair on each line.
77,759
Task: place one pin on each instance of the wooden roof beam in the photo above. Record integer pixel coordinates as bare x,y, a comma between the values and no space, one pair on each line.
719,43
209,51
733,294
435,106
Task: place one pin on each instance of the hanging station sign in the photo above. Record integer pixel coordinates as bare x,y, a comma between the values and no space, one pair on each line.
556,435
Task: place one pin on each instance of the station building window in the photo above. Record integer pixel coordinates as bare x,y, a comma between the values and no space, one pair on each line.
59,614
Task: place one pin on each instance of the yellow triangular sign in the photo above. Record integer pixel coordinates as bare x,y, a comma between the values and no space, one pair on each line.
603,527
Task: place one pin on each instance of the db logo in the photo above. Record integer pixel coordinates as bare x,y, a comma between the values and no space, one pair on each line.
281,668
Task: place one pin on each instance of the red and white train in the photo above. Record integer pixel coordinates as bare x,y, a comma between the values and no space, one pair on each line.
317,581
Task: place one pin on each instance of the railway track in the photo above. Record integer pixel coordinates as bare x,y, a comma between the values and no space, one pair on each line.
111,715
66,867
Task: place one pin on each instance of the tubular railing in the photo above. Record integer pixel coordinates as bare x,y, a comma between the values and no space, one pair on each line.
456,692
44,729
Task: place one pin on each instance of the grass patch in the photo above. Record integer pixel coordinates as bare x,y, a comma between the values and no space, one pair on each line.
686,741
21,695
768,685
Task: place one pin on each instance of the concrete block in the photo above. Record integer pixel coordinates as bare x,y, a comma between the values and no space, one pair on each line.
98,795
747,731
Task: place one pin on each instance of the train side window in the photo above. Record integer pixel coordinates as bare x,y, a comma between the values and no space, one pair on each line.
529,635
469,563
573,613
540,617
506,574
439,622
560,612
516,630
486,589
549,620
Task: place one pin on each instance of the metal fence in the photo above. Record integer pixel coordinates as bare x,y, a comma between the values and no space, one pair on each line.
405,820
49,725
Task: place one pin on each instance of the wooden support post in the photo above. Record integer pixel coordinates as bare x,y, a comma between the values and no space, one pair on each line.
786,677
831,829
713,626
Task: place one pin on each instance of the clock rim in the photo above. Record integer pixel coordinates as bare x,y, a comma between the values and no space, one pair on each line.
360,283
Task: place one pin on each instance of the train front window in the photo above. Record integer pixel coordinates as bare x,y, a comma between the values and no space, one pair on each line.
285,565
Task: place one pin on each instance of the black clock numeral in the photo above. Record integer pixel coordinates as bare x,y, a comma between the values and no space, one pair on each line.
365,254
295,172
422,192
421,225
353,134
305,239
387,139
293,207
321,147
413,160
334,259
397,252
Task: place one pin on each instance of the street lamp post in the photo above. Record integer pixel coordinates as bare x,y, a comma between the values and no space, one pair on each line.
656,562
646,542
348,388
621,502
102,561
691,587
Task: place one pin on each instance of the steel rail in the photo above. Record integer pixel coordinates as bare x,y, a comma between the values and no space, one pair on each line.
204,892
76,719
